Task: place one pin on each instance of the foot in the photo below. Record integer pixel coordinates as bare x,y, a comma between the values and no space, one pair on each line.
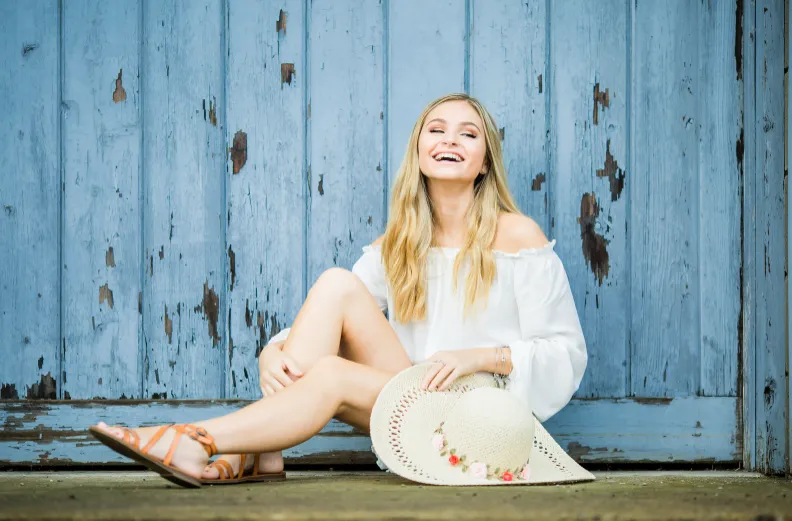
190,456
269,463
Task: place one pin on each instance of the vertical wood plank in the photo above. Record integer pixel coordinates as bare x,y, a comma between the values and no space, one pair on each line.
719,129
771,339
184,200
427,59
266,123
346,132
101,233
589,140
508,47
787,149
30,191
748,374
663,224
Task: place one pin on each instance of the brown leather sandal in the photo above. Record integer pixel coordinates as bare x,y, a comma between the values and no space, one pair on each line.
226,473
129,446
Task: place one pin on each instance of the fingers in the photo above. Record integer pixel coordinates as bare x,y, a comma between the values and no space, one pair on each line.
277,379
290,365
440,377
266,389
430,374
456,373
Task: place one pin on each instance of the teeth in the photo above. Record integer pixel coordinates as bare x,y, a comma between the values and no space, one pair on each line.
453,157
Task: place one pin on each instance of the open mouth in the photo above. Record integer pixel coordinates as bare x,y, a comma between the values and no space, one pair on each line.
448,157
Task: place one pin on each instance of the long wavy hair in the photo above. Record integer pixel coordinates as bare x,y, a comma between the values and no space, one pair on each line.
409,232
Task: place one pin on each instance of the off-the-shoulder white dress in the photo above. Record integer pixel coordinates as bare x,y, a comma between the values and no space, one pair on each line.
530,309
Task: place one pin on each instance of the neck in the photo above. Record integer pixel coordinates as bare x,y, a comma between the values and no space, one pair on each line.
450,203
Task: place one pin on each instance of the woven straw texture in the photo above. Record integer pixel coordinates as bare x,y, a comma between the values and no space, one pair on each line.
479,421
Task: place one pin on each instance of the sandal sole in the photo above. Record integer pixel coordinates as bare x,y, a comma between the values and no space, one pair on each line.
168,472
261,478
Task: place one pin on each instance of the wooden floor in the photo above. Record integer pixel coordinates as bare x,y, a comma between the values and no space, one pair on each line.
377,495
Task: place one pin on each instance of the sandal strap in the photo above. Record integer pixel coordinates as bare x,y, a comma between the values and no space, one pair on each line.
256,464
131,437
198,434
242,458
224,469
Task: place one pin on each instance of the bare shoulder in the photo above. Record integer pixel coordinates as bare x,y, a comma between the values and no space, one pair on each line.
518,232
378,241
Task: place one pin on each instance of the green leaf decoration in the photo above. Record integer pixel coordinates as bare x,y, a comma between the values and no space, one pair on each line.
453,451
443,453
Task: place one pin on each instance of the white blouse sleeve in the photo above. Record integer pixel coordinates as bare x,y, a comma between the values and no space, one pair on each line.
550,357
370,270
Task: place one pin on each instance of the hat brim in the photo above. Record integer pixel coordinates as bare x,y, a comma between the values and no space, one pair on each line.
404,419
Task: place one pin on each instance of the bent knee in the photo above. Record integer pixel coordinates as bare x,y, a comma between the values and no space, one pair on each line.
339,282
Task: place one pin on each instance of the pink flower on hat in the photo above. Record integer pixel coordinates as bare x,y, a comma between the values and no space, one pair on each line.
507,476
525,473
437,441
478,470
454,459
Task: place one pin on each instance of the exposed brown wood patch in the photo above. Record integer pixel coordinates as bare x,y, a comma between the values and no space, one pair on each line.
46,389
540,84
110,258
119,94
612,171
321,184
600,98
210,306
106,295
280,25
8,392
287,71
536,184
594,245
232,265
168,326
239,151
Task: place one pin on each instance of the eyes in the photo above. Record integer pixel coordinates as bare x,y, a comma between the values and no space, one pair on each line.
468,134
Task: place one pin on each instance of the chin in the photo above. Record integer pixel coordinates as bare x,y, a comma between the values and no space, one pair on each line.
460,177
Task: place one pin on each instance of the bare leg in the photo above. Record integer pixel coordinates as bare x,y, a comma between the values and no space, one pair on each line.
339,317
334,386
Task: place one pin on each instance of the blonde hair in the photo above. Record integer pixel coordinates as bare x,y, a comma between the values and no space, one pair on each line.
408,235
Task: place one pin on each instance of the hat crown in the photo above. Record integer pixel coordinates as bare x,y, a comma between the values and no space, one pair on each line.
490,426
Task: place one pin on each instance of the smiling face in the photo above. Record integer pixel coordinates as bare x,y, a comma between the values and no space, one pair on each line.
451,145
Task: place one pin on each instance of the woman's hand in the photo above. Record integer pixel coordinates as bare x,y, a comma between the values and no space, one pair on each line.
277,370
450,365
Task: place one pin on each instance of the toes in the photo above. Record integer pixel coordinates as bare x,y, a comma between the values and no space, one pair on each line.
210,473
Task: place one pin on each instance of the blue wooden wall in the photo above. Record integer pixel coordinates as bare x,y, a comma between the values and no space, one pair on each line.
177,174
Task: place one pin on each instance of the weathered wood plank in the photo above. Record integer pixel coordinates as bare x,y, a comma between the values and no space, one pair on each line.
747,373
266,173
184,199
589,140
427,58
684,429
101,232
770,263
787,119
346,125
30,198
508,46
720,143
664,209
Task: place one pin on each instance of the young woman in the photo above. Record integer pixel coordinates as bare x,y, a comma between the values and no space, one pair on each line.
469,283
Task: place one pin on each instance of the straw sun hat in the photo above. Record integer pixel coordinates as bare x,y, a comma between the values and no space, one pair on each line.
472,434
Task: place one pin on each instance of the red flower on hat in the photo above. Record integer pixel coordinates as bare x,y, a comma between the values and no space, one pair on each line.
454,459
507,476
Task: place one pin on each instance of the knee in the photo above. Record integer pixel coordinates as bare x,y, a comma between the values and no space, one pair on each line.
338,282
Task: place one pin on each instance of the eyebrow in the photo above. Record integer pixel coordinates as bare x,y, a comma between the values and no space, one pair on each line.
441,120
